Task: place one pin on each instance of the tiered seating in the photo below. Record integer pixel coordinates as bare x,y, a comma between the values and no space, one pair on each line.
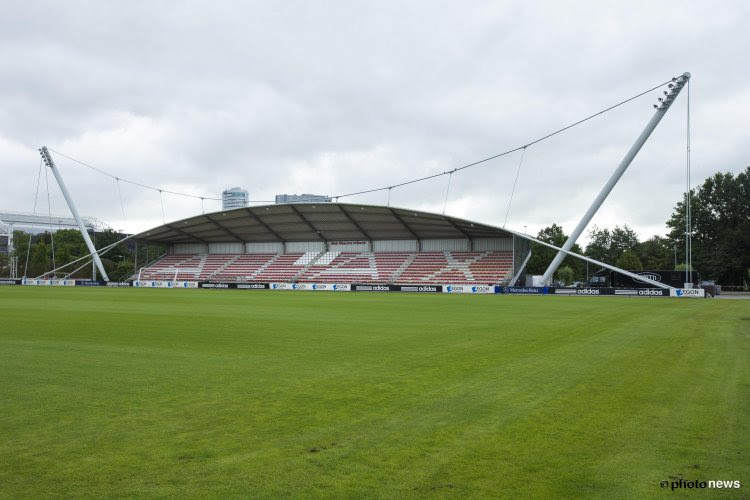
458,268
424,265
213,263
389,264
495,267
242,267
281,268
355,267
180,267
339,267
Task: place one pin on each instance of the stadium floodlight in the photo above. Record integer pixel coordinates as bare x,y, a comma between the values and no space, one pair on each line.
661,110
89,244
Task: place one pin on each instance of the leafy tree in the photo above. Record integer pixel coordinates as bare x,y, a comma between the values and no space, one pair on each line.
629,261
541,256
607,246
565,274
123,270
21,243
623,239
69,246
656,252
599,243
720,210
39,262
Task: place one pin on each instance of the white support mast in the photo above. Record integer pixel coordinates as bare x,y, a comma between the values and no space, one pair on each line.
661,110
51,165
637,277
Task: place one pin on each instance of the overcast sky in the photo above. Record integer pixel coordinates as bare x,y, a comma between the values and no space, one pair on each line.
335,97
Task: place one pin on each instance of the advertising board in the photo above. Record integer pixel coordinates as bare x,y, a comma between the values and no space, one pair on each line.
318,287
419,288
687,292
652,292
325,287
33,282
251,286
398,288
586,292
89,283
282,286
527,290
468,289
165,284
218,286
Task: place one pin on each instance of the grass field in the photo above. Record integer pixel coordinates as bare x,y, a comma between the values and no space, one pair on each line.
291,394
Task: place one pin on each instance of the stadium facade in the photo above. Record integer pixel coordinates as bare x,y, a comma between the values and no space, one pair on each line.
34,224
334,242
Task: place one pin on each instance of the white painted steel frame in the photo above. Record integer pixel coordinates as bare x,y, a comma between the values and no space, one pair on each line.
661,110
89,244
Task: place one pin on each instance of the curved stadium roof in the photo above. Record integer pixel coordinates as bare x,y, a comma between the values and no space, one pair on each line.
317,222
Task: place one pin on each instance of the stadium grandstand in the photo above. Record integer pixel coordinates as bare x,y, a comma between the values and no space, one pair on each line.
334,242
35,224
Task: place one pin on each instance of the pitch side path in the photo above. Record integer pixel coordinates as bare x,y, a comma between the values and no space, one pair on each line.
195,393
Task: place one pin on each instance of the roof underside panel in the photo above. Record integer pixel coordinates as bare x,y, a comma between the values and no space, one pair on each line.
317,222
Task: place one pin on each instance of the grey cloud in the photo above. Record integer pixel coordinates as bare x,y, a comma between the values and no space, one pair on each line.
339,97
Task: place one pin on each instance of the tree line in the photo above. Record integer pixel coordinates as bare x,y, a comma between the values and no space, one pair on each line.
720,213
39,253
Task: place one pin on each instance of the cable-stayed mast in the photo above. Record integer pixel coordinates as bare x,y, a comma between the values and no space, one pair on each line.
51,165
661,110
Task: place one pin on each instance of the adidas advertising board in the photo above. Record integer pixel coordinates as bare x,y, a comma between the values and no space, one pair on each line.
420,288
653,292
373,288
234,286
251,286
398,288
586,292
218,286
593,291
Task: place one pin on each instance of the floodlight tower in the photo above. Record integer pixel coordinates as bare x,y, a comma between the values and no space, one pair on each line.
661,109
92,250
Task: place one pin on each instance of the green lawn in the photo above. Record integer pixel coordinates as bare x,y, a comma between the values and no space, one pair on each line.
173,393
